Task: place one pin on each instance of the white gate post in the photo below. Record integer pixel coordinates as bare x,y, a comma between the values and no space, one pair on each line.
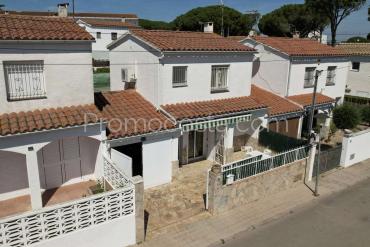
311,162
34,178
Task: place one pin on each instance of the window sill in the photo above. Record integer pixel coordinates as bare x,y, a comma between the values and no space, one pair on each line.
179,85
330,84
311,86
220,90
29,98
355,70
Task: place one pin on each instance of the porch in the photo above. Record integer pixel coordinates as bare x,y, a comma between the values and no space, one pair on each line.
22,204
184,197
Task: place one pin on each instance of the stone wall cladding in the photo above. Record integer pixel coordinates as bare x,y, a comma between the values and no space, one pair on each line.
251,189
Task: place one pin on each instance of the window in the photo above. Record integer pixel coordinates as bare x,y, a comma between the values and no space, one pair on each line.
179,76
98,35
124,75
330,78
25,80
114,36
309,77
356,66
219,78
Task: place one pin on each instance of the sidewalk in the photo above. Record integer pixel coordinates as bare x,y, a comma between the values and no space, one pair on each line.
204,229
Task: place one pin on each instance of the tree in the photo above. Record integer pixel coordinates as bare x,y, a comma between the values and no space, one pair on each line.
336,11
286,20
368,36
235,23
357,39
149,24
346,116
366,114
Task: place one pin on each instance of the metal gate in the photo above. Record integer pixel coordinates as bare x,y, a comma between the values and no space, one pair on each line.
329,159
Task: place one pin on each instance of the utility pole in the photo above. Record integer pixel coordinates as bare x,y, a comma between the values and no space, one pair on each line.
222,18
73,8
313,105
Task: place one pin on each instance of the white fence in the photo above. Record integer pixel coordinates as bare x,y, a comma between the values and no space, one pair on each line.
252,166
50,222
355,148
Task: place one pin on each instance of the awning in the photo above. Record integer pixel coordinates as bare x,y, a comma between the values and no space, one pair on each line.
206,124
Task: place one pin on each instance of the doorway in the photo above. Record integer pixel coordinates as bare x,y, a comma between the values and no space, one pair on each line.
135,151
195,147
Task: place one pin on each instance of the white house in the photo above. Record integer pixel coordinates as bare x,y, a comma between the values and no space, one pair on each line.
104,27
104,32
358,83
201,81
52,142
287,67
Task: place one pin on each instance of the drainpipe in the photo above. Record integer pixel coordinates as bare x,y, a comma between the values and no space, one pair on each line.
288,83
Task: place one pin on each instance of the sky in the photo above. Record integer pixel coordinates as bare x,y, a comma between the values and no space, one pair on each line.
167,10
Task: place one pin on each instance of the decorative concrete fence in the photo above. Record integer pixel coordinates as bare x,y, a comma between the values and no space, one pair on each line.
269,176
74,222
355,148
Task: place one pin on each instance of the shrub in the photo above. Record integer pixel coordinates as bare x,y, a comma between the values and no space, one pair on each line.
365,113
102,70
357,39
346,116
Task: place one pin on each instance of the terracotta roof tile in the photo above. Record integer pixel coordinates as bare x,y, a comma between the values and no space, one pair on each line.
189,41
276,105
47,119
17,27
355,49
305,100
130,114
52,13
105,23
299,47
237,38
200,109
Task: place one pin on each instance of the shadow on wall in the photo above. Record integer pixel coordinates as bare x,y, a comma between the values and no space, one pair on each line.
13,172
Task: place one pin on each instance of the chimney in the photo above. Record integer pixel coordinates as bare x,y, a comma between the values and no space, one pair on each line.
63,9
208,27
296,35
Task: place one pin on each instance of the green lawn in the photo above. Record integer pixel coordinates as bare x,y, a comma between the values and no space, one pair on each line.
101,82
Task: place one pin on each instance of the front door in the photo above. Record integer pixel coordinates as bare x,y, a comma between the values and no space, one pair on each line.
195,147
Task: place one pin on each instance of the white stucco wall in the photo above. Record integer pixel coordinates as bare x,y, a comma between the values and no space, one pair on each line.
67,71
134,56
117,233
154,74
270,68
199,76
297,72
355,148
359,81
99,47
157,161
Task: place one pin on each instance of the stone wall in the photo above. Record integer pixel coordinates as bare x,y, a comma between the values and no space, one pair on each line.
225,197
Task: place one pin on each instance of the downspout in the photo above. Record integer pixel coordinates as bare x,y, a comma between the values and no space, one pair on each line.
288,82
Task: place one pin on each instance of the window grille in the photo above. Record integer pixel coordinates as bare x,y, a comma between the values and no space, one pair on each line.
330,79
219,78
309,77
179,76
25,80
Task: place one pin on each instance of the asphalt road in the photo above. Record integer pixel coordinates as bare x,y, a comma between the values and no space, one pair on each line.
340,220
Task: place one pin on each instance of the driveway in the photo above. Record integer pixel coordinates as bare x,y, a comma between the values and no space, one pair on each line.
341,220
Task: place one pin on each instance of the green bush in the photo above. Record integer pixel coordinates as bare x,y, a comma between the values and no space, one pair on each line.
102,70
346,116
365,113
357,39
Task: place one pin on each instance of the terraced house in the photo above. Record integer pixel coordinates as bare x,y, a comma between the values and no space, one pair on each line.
287,67
201,81
58,185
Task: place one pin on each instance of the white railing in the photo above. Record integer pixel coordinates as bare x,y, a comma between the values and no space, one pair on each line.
50,222
114,176
252,166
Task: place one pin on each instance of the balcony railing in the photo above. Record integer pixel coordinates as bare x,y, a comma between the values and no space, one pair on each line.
25,80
